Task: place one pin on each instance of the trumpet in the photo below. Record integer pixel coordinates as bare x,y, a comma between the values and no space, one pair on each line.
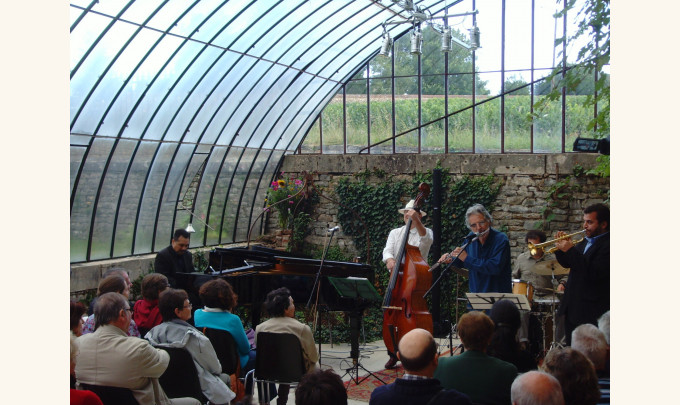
546,246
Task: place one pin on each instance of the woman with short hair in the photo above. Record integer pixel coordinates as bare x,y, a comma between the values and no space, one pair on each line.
146,313
175,331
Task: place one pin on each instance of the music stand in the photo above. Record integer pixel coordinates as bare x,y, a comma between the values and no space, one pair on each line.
362,292
483,301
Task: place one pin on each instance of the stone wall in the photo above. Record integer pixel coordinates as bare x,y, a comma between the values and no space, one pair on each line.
526,180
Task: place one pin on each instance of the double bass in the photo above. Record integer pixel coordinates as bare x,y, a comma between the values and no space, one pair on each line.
404,307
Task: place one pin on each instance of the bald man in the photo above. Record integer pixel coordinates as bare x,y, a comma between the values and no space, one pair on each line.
418,354
536,387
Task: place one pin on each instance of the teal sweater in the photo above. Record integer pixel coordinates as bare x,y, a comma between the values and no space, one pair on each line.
228,322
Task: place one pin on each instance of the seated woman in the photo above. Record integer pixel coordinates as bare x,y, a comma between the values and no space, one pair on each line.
504,344
113,283
146,313
77,312
175,309
219,299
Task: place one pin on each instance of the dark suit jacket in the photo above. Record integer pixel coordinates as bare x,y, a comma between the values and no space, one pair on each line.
586,295
416,392
485,379
169,263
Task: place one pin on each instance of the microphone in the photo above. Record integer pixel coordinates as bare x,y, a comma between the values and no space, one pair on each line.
467,238
336,228
470,235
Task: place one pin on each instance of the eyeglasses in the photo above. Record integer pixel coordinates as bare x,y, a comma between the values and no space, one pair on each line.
188,306
128,309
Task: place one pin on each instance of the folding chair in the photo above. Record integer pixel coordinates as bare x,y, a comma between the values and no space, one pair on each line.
279,360
180,379
112,395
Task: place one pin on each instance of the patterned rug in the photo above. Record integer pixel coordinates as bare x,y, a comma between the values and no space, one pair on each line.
362,392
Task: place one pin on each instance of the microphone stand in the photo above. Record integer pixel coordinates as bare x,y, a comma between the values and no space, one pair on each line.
448,266
314,287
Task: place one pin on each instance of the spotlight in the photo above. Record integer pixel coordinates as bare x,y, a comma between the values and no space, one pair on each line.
416,42
386,44
474,38
446,40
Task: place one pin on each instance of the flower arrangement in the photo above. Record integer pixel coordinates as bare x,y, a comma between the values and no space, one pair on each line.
284,195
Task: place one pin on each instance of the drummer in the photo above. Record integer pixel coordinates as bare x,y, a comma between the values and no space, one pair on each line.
524,266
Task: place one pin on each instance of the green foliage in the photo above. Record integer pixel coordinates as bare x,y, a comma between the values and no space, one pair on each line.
300,230
284,195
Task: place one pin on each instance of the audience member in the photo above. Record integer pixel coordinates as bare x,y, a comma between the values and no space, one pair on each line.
504,344
603,325
536,388
175,309
111,358
589,340
113,283
219,299
417,352
146,313
114,270
280,307
576,375
321,387
486,379
77,321
80,397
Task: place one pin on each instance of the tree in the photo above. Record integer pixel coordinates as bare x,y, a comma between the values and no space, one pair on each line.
514,82
592,57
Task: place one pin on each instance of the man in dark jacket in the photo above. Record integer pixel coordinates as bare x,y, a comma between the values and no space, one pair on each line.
418,355
586,295
175,258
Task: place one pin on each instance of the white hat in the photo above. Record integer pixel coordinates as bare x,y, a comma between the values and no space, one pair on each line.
409,206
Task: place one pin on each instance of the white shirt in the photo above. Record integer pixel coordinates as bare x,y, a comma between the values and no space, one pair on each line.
394,239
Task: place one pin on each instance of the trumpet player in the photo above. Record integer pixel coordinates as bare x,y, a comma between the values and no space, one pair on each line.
586,295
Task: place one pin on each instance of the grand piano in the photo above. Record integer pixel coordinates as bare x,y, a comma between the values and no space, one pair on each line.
256,270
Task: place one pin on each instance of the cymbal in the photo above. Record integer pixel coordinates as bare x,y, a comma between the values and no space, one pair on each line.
546,267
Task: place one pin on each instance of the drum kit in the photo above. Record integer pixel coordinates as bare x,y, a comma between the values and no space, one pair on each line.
542,334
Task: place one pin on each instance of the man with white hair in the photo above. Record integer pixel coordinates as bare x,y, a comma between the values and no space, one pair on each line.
487,258
590,341
536,388
603,325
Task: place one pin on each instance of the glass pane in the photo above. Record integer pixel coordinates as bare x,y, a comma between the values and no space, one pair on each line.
312,142
460,59
489,23
77,153
518,34
176,197
460,127
222,187
89,73
517,123
357,121
150,199
548,125
332,120
132,191
381,113
546,30
433,135
432,59
487,121
82,210
407,143
249,194
195,18
405,63
237,188
102,232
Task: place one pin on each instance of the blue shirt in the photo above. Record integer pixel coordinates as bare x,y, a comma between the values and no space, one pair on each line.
489,264
228,322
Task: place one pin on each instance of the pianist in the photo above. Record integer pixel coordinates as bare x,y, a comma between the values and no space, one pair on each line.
175,258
